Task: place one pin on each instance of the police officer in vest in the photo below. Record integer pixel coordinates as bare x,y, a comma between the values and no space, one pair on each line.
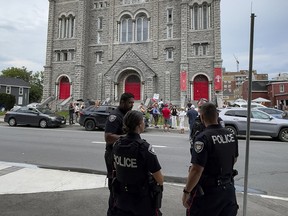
198,125
113,130
210,189
136,163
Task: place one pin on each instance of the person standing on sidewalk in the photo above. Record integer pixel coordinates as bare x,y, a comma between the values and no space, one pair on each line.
113,130
166,116
71,114
210,187
136,163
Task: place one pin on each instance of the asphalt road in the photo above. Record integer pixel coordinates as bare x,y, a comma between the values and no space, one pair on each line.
73,147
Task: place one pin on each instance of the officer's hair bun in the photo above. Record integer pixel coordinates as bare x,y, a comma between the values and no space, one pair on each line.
131,120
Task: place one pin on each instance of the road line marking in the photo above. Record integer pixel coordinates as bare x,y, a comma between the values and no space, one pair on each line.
98,142
158,146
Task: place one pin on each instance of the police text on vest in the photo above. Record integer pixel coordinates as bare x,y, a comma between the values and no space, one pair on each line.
125,162
222,139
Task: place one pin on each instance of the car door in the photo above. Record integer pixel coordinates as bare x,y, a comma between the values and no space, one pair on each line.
32,117
262,123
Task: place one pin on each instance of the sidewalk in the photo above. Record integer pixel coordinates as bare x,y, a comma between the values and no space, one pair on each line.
27,190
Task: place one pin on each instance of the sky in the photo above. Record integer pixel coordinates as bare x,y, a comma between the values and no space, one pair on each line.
23,35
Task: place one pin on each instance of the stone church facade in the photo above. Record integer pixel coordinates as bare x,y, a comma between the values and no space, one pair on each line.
98,49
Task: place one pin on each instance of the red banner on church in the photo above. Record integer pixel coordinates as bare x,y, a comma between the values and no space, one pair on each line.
217,79
183,80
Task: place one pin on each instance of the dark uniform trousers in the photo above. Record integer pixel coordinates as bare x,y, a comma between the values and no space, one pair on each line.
216,201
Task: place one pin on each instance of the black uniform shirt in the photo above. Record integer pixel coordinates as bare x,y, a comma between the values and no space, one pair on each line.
114,123
215,149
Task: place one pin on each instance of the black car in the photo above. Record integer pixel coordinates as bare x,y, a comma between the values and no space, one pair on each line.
40,117
94,117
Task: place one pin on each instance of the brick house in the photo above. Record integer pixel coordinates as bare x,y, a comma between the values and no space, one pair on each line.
17,87
278,93
98,49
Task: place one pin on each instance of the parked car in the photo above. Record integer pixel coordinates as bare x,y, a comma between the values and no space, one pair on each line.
94,117
261,123
273,112
245,104
41,117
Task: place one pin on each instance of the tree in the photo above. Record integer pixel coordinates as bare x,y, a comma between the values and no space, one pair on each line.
7,101
34,79
20,73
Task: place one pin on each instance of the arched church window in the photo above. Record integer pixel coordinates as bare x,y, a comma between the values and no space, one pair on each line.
142,28
126,29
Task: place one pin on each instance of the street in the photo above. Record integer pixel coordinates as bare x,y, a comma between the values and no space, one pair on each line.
76,149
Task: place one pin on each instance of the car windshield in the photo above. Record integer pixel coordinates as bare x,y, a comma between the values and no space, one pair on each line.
45,110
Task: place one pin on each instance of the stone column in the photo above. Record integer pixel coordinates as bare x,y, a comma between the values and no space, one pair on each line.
111,30
155,28
47,88
184,49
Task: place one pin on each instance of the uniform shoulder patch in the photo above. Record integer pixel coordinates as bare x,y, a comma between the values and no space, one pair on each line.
198,146
151,149
112,118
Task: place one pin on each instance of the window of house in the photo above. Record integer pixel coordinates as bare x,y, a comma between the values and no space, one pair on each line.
281,88
98,57
20,90
169,15
194,17
8,89
100,23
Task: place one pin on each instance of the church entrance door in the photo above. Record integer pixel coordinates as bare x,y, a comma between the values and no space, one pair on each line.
201,87
64,88
133,85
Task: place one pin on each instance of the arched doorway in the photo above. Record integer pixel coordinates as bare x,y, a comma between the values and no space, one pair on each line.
64,88
201,87
133,85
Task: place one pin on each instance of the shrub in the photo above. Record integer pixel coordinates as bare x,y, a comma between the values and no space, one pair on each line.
7,101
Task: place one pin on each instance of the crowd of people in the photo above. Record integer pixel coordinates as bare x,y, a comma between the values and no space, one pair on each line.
171,116
135,179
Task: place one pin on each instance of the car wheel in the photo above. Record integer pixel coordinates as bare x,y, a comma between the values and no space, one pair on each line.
43,123
12,122
283,135
90,125
232,129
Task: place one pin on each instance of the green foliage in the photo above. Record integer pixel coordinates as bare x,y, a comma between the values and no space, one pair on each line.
64,113
7,101
35,80
20,73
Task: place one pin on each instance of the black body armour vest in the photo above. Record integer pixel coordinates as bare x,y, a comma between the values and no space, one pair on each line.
222,148
129,162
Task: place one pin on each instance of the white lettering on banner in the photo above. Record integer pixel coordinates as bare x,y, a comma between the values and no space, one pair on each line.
222,139
125,162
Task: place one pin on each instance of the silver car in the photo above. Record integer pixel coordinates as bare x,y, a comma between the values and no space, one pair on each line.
261,123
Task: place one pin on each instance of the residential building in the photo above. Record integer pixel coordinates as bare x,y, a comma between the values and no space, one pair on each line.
17,87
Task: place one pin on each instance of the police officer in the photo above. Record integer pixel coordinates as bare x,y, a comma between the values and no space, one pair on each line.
198,125
135,161
210,189
113,130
